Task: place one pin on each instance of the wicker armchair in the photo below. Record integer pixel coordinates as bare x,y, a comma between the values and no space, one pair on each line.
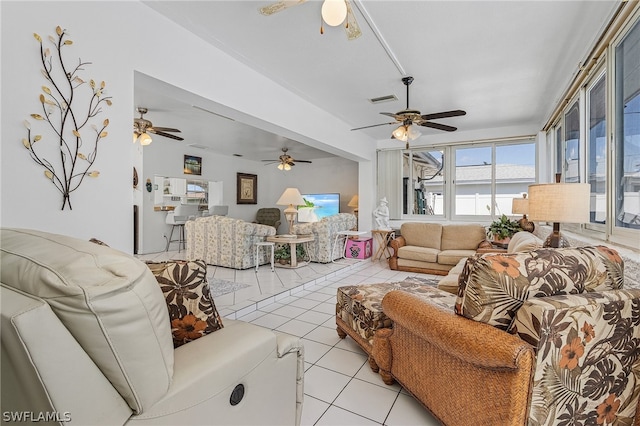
510,354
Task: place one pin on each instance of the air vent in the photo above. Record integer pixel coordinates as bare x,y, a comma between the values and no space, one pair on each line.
195,145
383,99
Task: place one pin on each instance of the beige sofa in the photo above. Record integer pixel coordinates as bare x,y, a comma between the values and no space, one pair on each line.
225,241
434,248
324,231
520,242
86,338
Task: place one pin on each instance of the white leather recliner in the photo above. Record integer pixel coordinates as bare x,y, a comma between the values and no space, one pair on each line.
86,340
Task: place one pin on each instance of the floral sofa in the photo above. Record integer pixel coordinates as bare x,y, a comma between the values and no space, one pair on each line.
546,337
224,241
324,232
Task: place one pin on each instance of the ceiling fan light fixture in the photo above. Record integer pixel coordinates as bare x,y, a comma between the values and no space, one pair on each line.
334,12
145,139
135,137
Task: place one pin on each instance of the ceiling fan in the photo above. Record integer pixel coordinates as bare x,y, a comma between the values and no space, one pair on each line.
286,161
142,126
334,13
409,118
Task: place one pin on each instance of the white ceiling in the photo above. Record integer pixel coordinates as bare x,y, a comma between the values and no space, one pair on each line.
506,63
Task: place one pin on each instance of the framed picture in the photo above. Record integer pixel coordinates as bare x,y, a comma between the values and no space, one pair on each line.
192,165
247,189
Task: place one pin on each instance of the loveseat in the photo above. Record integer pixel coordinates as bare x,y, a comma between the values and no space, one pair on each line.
225,241
86,339
434,248
545,337
324,231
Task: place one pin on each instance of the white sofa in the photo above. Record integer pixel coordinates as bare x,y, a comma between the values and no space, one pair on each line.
324,233
86,338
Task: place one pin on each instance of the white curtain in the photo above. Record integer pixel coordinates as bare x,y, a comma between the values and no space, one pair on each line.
390,181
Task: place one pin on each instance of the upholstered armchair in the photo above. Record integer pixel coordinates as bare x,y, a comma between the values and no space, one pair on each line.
225,241
269,216
324,233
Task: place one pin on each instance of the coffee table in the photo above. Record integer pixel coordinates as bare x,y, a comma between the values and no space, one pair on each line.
293,242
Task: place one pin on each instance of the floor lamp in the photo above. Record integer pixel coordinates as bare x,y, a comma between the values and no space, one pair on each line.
559,203
291,197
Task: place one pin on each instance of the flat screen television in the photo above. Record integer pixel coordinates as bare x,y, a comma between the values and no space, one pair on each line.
319,206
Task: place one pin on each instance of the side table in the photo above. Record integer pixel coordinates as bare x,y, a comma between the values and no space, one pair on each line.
382,238
293,242
346,235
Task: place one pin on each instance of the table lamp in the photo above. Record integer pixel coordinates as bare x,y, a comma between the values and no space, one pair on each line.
521,206
291,197
559,203
354,203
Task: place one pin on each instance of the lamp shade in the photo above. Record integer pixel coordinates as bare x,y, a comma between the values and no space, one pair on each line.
145,139
291,197
520,205
353,202
334,12
559,202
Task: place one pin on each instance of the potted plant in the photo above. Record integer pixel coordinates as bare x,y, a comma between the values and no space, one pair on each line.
282,253
501,230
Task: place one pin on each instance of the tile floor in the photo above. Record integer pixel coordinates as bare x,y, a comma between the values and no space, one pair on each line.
340,388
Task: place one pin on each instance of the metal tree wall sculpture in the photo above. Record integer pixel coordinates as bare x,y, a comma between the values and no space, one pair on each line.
77,146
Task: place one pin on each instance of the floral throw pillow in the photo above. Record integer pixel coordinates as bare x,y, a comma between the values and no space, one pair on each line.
186,291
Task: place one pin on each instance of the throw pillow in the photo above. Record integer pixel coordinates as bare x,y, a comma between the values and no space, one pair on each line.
192,311
493,287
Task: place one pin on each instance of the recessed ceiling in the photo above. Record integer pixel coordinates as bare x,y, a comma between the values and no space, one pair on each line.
506,63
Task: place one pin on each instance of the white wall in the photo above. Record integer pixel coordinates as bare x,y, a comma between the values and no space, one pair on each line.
109,35
165,158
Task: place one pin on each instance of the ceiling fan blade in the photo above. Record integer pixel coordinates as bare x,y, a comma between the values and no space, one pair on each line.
303,161
375,125
351,27
444,114
438,126
165,129
278,6
391,114
166,135
271,160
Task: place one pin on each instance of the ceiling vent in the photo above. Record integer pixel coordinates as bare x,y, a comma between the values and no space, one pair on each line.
381,99
195,145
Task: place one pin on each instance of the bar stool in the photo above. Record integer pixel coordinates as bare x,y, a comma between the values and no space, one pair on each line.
174,221
264,244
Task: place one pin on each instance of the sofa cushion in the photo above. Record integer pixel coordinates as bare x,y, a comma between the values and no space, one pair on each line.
422,234
494,286
587,345
523,241
423,254
462,237
192,311
452,257
108,300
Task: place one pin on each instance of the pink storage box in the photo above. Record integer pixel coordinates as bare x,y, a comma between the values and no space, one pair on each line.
360,248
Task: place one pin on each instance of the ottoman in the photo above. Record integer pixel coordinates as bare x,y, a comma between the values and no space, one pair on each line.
359,308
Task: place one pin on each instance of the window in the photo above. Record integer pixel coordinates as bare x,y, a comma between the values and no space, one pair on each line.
488,178
572,144
627,130
423,183
597,150
473,179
